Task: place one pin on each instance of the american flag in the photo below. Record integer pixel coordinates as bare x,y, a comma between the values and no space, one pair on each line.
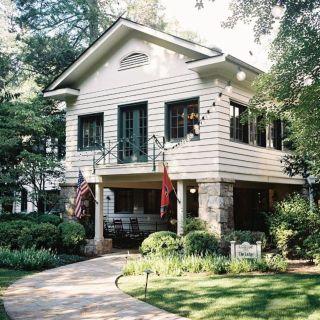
82,190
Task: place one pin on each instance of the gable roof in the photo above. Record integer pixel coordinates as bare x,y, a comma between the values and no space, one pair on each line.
112,35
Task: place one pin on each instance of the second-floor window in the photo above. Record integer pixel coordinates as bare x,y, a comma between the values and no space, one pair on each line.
255,132
182,117
90,131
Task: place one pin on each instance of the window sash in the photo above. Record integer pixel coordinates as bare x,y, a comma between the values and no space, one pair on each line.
183,116
91,131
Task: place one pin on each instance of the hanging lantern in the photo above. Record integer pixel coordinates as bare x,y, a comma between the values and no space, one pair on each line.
193,190
229,87
241,75
278,10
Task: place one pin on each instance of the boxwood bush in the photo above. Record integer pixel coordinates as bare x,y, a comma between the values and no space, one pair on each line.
72,236
10,232
200,243
49,218
161,243
43,235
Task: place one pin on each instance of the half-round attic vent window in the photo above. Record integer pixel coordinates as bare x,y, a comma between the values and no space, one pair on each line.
133,60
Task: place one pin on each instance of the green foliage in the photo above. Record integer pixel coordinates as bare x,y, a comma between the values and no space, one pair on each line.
312,245
200,243
316,258
194,224
241,266
292,223
176,265
180,264
64,259
27,259
72,236
50,218
161,243
276,263
11,231
43,235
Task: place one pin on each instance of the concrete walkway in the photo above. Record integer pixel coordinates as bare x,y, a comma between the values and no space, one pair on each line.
84,290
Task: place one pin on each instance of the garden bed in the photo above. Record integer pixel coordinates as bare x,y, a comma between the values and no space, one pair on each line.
241,297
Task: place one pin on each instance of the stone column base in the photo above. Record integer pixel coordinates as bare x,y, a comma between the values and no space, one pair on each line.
216,204
97,247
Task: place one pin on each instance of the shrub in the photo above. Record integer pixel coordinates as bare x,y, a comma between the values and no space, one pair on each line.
27,259
240,266
179,264
194,224
43,235
10,232
161,243
276,263
316,258
291,224
200,243
49,218
72,235
312,245
6,217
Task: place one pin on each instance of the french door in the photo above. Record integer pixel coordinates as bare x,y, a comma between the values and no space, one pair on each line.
133,133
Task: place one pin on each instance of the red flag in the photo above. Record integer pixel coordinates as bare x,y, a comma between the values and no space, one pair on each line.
165,193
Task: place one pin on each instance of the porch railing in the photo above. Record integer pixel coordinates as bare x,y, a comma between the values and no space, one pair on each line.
114,151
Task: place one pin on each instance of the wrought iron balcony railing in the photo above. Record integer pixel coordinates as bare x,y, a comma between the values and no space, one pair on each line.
130,150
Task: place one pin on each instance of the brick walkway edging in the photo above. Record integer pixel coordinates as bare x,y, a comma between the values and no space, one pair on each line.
84,290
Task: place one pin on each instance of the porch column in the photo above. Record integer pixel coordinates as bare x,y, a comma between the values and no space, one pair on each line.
98,225
216,203
181,206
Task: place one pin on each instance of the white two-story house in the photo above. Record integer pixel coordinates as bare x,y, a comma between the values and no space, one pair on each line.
138,98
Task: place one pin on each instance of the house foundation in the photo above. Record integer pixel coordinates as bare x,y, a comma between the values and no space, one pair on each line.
216,204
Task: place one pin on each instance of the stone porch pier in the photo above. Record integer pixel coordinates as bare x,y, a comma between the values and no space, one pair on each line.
216,203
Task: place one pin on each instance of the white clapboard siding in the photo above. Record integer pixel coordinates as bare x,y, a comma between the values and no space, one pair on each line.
165,79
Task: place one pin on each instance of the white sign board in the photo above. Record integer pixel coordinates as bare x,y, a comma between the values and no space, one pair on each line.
245,250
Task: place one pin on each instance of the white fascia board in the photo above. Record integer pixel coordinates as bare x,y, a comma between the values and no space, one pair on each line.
212,62
62,94
127,25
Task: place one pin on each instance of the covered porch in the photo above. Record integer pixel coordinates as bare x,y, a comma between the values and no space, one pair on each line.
129,206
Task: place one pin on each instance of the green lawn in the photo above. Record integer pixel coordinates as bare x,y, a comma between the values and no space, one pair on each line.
249,297
6,278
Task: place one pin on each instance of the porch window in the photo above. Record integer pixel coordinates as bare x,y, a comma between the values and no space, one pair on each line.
182,116
90,133
238,131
